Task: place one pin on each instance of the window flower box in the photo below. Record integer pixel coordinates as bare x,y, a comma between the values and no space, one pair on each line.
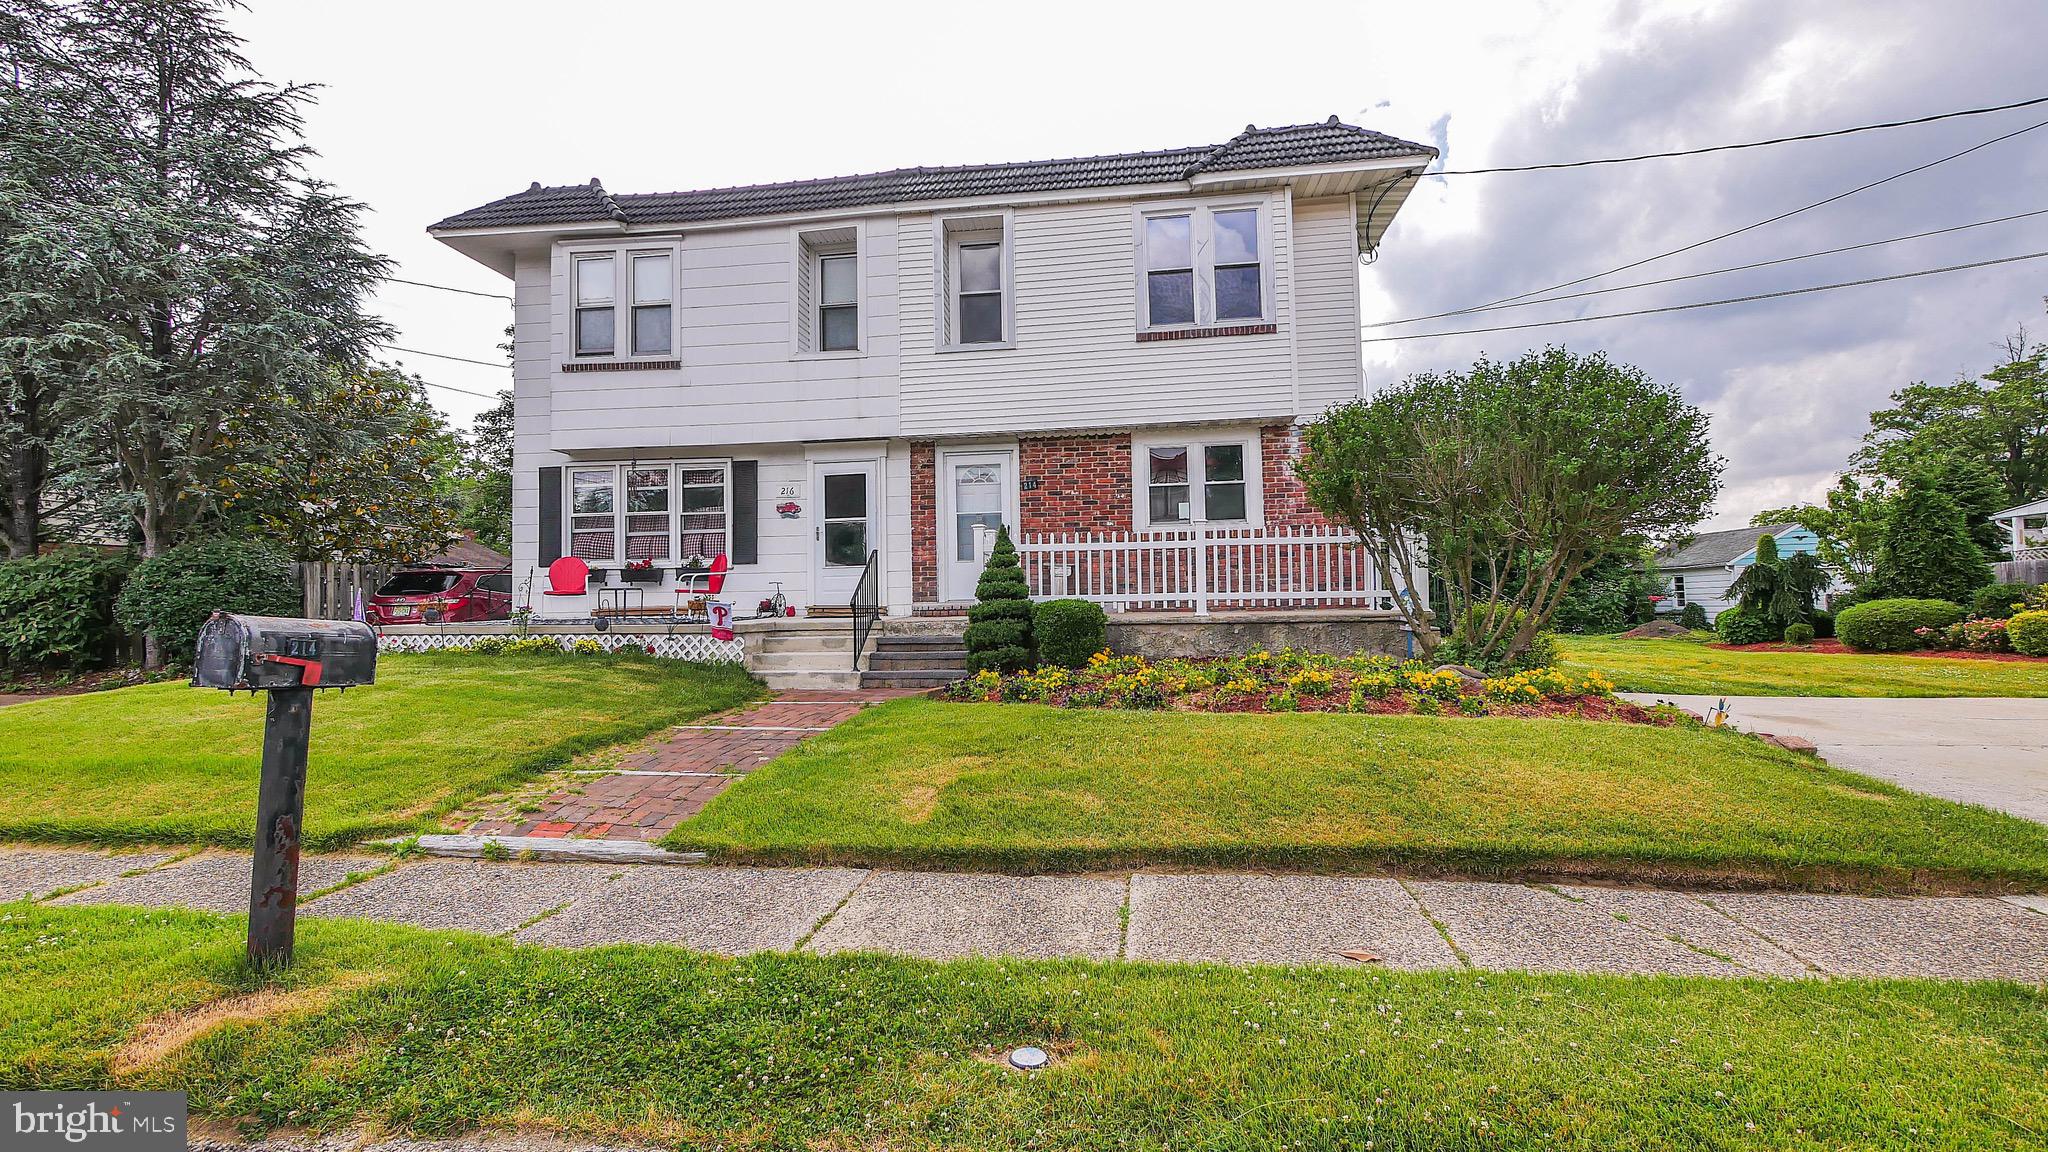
642,573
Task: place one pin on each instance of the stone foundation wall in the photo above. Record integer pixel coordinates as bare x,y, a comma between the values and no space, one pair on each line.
1221,634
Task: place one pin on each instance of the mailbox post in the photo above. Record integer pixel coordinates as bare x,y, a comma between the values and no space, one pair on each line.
289,659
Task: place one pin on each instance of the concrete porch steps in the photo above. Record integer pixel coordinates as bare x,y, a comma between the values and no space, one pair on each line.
915,660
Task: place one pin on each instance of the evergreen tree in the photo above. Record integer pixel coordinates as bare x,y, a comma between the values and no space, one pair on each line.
999,624
1927,552
1779,590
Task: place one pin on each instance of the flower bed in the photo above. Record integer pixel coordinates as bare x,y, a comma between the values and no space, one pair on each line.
1837,648
1288,681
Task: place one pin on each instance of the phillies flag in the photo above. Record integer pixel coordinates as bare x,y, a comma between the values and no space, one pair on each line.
721,619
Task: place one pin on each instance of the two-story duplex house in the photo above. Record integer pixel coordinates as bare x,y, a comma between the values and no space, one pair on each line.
808,375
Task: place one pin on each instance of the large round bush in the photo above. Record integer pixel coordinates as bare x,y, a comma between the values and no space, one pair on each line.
172,594
1069,632
2000,601
57,610
1734,626
2028,633
1892,625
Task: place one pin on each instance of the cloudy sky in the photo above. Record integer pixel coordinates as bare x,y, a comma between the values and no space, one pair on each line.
429,108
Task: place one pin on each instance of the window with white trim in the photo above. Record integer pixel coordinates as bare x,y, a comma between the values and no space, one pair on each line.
826,311
593,514
596,298
670,513
1202,265
1185,482
838,303
975,291
653,295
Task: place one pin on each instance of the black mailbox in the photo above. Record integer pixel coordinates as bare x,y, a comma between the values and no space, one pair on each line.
265,653
288,659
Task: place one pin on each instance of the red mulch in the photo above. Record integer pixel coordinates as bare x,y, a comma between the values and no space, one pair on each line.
1401,704
1837,648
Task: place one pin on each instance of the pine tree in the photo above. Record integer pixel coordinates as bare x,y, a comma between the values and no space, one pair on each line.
999,624
1927,552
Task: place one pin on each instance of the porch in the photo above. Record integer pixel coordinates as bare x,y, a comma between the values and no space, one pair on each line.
2027,543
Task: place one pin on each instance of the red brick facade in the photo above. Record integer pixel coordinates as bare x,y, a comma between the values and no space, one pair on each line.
1084,485
1286,501
924,523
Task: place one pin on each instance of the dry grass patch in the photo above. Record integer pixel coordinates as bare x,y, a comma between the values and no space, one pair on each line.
163,1036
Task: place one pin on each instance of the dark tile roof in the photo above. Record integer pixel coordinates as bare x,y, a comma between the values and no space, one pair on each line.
1714,549
1299,145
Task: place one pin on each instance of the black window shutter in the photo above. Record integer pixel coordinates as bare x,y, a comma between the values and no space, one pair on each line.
746,511
550,516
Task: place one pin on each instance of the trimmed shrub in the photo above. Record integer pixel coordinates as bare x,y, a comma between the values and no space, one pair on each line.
172,594
1735,626
1068,632
1824,625
999,624
2000,601
1801,634
1894,625
57,610
1693,616
1455,649
2028,633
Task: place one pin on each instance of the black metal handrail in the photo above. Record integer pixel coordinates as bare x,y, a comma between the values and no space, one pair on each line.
867,604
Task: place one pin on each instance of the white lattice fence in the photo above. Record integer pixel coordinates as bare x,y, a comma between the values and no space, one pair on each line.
696,646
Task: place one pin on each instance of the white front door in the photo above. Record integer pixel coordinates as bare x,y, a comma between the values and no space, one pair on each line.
977,489
846,525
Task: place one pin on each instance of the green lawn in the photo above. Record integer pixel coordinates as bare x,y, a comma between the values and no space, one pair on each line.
1681,666
167,763
438,1033
1027,787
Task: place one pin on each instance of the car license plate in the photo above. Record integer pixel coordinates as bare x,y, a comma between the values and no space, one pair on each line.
401,610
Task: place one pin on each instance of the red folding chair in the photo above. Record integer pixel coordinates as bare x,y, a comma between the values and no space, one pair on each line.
568,576
709,582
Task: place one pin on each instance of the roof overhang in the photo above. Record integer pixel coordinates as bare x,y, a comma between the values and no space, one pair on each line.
2037,508
1380,187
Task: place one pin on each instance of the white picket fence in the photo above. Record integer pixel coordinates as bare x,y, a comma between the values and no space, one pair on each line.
1202,568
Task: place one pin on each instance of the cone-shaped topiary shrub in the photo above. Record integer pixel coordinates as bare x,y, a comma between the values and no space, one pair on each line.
999,624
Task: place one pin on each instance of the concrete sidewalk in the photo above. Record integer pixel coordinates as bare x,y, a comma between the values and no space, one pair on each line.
1229,918
1988,751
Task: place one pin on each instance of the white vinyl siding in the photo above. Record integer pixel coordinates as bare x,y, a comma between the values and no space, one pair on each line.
740,382
1076,361
1328,354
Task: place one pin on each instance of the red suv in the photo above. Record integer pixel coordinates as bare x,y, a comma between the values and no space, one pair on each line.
442,596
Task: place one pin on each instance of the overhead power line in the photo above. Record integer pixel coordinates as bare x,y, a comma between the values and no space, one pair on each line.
1538,292
1710,303
1743,145
1722,271
446,288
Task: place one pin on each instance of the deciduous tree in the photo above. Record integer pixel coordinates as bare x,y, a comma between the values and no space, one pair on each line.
1547,462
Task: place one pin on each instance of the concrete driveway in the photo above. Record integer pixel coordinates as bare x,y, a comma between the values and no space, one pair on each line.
1992,752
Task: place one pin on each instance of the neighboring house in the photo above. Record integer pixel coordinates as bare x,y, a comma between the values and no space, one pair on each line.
805,375
1700,570
2026,550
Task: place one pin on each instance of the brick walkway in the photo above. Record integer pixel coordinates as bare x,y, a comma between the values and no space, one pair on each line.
653,791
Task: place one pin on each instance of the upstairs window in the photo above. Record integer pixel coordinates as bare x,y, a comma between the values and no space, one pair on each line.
1238,273
1200,266
838,303
826,316
596,315
653,292
975,289
1170,269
